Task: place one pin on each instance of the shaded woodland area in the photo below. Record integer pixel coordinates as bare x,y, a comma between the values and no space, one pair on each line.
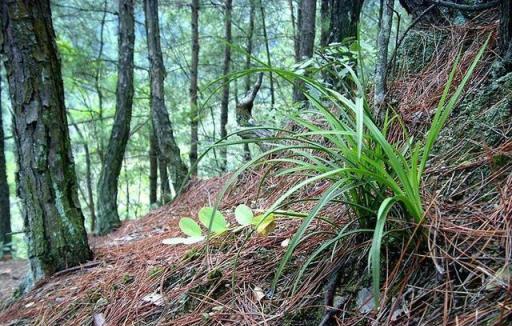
255,162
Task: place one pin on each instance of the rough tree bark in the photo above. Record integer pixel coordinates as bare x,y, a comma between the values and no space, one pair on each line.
5,209
307,17
165,186
108,217
382,54
224,106
153,168
46,179
168,148
505,39
339,20
194,118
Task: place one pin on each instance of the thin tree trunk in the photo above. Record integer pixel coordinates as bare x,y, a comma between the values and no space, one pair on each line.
269,62
165,187
224,107
382,55
248,49
97,86
307,17
108,216
46,178
194,118
250,34
294,31
5,208
127,185
88,181
153,168
168,148
88,176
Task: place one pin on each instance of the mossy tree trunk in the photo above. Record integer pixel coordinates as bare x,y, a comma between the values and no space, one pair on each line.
168,148
46,179
108,217
5,211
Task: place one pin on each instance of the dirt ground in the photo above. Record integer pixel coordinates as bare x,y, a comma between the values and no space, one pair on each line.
11,275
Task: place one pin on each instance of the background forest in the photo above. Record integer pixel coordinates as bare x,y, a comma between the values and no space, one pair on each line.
256,162
87,41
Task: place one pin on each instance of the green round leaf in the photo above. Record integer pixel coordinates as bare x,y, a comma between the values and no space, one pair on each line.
243,215
218,225
190,227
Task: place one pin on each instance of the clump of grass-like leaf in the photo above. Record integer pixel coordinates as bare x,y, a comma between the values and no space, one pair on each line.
371,175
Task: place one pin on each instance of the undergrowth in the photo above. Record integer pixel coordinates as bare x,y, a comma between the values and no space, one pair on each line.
339,141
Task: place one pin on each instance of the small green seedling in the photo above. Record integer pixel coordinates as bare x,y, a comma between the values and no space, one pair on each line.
213,220
216,223
244,215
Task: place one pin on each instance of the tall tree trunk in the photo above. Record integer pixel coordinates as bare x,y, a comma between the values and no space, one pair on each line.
382,55
343,18
108,217
88,176
194,118
165,187
267,49
325,22
46,178
153,168
294,31
5,209
307,17
248,49
97,86
505,39
224,106
88,180
168,148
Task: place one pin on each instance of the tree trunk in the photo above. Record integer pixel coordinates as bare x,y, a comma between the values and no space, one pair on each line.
108,217
5,208
505,38
248,49
307,17
224,107
168,148
46,178
294,31
194,118
165,187
88,180
153,168
343,18
325,22
382,55
267,49
88,176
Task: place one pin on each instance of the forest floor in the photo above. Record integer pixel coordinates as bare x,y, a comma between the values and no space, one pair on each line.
11,276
